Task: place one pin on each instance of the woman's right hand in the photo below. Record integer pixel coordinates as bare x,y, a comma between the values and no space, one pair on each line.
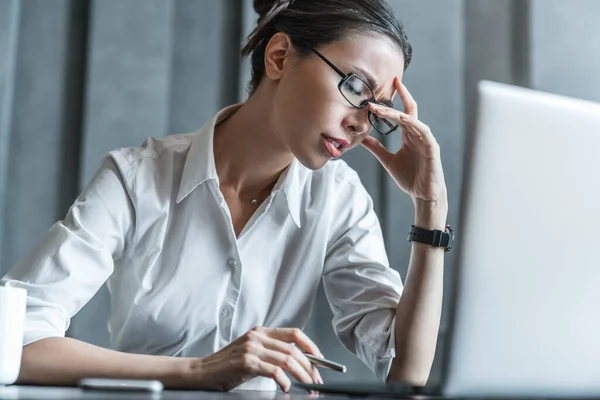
268,352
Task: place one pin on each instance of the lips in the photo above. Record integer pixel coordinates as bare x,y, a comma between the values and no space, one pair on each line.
335,146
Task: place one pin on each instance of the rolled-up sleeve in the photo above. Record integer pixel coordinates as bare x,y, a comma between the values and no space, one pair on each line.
76,256
362,290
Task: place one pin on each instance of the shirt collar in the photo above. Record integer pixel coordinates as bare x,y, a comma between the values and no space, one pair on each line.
200,161
289,184
200,166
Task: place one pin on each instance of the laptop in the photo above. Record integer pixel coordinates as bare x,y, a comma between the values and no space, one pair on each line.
525,305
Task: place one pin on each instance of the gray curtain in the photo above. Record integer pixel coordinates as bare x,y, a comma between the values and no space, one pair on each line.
81,77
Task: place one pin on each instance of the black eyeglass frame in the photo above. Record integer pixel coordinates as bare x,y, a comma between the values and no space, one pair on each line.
345,78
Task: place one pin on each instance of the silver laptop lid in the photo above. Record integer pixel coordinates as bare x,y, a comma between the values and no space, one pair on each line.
527,308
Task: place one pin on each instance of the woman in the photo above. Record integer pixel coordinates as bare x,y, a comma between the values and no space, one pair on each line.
213,243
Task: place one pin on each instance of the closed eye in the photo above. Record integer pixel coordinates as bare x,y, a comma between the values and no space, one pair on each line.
354,90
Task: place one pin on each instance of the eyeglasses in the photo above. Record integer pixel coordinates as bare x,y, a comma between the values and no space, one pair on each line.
359,94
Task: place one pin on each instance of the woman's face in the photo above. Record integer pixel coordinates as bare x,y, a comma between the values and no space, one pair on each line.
309,108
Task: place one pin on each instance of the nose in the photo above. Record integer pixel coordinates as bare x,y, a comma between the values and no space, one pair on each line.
357,122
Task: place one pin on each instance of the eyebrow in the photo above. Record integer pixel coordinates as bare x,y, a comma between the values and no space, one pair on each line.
372,82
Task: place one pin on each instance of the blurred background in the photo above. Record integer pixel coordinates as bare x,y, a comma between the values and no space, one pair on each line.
81,77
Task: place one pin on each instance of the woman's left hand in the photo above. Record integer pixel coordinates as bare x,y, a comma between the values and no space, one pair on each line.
417,166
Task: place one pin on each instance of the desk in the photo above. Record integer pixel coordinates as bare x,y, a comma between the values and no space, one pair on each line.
38,392
56,393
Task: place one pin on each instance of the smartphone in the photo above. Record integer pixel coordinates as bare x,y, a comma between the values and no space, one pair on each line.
133,385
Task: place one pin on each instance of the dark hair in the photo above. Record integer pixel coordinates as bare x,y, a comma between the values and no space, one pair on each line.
317,22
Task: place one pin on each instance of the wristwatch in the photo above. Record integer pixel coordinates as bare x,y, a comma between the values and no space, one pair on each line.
435,238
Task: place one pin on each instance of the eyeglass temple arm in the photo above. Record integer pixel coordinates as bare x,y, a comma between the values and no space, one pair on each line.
336,69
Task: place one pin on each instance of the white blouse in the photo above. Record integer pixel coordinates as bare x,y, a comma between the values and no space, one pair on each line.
154,225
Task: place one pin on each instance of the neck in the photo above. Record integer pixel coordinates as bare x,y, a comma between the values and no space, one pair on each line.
249,154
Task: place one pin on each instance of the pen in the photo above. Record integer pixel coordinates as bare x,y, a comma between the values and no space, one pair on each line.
322,362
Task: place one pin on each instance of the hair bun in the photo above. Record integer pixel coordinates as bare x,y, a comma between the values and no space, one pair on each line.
262,7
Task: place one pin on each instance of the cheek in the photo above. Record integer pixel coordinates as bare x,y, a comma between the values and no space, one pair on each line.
312,97
308,107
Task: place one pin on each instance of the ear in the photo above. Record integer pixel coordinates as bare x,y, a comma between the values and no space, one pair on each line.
277,55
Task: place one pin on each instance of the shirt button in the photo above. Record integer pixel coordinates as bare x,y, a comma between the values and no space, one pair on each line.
232,262
224,312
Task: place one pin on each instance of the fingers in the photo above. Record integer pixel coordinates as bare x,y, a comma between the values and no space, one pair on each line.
421,132
269,370
290,350
397,116
277,347
294,335
377,149
288,363
408,137
412,125
410,105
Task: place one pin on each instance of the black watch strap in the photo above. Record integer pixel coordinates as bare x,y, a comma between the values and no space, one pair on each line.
435,238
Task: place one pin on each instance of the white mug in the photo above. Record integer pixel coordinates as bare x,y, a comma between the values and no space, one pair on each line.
13,302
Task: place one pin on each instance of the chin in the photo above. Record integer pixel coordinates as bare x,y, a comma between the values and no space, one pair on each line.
313,155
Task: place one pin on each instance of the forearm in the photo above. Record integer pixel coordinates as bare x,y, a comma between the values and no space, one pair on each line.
63,361
419,310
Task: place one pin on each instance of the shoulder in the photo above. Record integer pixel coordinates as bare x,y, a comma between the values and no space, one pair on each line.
153,152
153,168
